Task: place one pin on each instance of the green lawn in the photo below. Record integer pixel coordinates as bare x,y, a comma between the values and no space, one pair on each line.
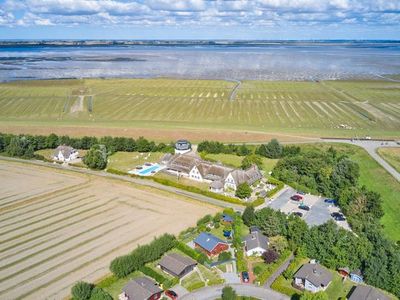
182,180
125,161
210,275
114,286
48,153
192,281
392,156
338,288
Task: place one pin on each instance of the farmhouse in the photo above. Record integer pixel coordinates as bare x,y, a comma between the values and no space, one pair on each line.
141,288
210,244
177,265
255,243
65,153
237,177
362,292
182,164
312,277
182,147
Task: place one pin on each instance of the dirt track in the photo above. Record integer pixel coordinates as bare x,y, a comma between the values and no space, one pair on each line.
57,227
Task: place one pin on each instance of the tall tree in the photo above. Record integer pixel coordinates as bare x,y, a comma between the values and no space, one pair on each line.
243,191
228,293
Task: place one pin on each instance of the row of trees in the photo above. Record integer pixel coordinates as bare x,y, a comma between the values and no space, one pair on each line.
18,145
273,149
334,247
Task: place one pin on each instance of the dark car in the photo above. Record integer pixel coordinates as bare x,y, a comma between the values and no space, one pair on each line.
336,214
304,207
171,294
297,213
296,197
340,218
245,276
330,201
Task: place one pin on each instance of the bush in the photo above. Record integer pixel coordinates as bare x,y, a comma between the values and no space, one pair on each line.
204,220
278,186
243,191
223,256
153,274
262,278
123,265
82,290
257,270
100,294
270,256
228,293
259,201
197,256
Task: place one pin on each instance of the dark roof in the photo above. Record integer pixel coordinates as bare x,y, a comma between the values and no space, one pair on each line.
65,150
176,263
314,273
208,241
183,145
182,162
216,185
256,239
141,288
250,175
363,292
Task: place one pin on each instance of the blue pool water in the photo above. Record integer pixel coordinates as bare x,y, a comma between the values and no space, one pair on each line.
148,170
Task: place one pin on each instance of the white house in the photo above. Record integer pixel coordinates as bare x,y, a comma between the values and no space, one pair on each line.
195,174
312,277
255,243
65,153
237,177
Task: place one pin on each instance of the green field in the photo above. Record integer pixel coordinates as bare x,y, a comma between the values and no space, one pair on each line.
126,161
344,108
392,156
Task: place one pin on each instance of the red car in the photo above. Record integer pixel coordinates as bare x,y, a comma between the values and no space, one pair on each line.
296,197
171,294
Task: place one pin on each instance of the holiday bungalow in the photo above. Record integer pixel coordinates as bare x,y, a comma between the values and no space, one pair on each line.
210,244
364,292
312,277
255,243
177,265
65,153
141,288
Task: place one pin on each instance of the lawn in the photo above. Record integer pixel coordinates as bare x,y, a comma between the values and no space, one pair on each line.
48,153
126,161
192,281
210,275
182,180
392,156
114,286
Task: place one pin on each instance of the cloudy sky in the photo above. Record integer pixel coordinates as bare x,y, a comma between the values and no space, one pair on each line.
200,19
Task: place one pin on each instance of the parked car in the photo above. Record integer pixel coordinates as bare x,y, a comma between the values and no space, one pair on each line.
336,214
245,276
301,193
330,201
296,197
304,207
171,294
340,218
297,213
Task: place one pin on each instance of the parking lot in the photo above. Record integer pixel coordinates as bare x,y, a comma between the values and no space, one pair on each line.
319,213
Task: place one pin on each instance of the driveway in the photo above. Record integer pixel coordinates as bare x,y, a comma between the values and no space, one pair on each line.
371,147
214,292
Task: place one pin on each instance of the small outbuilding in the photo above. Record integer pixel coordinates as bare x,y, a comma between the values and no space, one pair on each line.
365,292
182,146
227,219
356,276
210,244
344,272
217,187
177,265
65,153
312,277
141,288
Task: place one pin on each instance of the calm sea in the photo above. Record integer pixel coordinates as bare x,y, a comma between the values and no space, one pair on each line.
273,61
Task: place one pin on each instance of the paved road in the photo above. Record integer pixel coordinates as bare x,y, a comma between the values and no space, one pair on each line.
214,292
144,182
371,147
278,272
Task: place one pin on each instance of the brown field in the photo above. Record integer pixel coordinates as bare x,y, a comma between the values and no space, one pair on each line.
59,227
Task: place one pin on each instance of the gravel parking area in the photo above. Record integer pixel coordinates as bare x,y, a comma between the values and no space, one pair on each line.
319,213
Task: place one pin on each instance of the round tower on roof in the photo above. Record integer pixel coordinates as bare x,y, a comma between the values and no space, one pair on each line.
183,146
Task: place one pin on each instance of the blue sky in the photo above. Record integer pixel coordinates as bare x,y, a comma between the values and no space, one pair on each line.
200,19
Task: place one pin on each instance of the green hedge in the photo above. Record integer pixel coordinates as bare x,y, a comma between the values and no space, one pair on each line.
197,190
280,286
117,172
259,201
197,256
263,277
123,265
195,286
216,281
279,185
166,282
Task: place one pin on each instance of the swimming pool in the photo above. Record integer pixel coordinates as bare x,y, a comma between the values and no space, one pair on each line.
147,170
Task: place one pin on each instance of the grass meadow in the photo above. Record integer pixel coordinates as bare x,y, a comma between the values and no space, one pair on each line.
316,108
392,156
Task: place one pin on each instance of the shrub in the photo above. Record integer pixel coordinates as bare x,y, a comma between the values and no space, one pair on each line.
197,256
204,220
259,201
153,274
243,191
257,270
82,290
223,256
228,293
270,256
100,294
